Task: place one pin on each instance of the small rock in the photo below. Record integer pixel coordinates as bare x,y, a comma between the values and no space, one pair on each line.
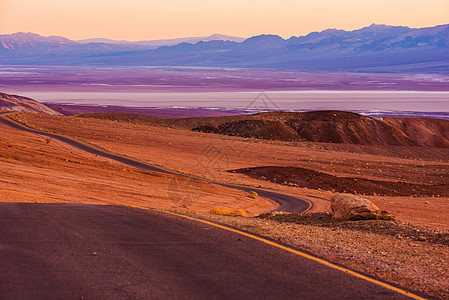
386,216
412,244
422,238
94,254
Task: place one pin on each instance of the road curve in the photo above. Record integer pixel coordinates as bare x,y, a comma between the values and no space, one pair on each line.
76,251
286,202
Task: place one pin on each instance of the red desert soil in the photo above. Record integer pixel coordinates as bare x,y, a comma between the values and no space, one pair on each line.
301,177
213,155
41,170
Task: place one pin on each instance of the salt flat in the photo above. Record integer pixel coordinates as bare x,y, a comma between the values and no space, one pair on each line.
368,101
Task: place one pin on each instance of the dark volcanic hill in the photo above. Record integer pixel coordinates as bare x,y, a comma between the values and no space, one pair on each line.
23,104
313,179
319,126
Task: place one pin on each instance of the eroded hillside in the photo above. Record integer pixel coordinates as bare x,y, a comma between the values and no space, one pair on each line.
23,104
319,126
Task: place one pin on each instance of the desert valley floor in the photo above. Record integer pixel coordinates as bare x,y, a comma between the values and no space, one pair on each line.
41,170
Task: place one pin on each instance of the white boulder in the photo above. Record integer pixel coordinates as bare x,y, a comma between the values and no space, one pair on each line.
352,207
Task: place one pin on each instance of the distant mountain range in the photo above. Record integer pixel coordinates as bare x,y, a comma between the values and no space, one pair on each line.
377,48
167,42
33,44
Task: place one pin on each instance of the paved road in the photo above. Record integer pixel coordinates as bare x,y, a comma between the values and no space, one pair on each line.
46,252
286,202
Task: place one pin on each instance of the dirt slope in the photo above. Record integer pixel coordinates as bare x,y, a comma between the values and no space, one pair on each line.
23,104
302,177
425,132
37,169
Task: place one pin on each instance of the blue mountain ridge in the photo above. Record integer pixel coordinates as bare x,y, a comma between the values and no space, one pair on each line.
377,48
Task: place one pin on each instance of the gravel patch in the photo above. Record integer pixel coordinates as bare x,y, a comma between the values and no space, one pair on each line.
415,257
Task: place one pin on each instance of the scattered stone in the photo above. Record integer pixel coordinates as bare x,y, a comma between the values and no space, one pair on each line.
350,207
384,215
94,254
422,238
386,249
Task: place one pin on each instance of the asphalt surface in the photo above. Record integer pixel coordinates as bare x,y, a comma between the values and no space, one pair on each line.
286,202
75,251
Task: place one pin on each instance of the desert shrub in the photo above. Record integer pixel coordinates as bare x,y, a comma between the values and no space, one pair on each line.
227,211
252,195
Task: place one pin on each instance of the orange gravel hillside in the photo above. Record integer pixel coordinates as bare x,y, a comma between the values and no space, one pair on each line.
212,156
38,169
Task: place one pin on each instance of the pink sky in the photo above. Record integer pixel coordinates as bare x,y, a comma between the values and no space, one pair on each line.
148,19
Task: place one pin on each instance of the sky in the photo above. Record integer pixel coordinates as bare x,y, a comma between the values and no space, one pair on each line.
147,19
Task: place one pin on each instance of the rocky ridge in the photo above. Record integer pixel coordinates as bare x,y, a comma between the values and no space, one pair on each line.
339,127
23,104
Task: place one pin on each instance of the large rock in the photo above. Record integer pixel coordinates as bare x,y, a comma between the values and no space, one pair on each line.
351,207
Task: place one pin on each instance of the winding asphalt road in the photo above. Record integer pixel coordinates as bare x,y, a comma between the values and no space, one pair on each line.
286,202
75,251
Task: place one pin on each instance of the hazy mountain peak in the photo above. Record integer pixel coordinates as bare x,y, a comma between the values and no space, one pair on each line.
332,30
101,40
265,40
217,36
28,36
166,42
24,41
383,26
434,30
23,35
222,37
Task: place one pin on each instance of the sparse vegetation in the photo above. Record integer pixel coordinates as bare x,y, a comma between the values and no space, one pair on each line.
227,211
252,195
276,213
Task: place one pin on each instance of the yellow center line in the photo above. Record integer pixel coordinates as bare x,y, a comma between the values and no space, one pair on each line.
297,252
